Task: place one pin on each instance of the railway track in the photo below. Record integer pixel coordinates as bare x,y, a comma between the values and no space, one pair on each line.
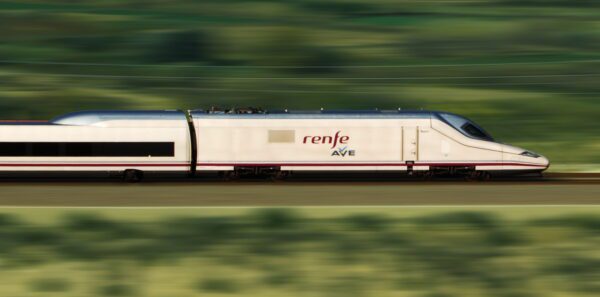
310,178
554,189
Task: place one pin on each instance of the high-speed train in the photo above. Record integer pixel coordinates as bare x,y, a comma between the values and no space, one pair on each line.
254,142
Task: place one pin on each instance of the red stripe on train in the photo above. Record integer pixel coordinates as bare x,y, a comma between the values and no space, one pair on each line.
365,164
262,164
94,165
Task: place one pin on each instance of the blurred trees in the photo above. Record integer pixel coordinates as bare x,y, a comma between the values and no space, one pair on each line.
527,66
364,254
181,46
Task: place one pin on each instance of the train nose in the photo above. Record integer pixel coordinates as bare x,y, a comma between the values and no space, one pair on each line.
544,162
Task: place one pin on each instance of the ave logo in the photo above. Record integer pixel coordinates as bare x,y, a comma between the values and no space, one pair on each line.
343,152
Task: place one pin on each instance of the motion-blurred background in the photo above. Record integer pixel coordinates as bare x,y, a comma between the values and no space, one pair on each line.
318,252
526,70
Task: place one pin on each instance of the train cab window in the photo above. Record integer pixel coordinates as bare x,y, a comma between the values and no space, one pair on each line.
474,131
465,126
87,149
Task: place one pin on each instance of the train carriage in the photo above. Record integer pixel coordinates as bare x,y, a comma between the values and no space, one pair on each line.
111,141
412,141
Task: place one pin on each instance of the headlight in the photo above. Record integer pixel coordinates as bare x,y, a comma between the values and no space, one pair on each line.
530,154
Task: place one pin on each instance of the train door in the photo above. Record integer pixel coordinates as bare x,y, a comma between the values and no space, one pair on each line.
410,140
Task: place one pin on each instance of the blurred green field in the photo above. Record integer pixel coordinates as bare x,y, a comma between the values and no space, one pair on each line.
525,70
485,251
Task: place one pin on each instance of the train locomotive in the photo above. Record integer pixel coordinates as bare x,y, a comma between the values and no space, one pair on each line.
241,142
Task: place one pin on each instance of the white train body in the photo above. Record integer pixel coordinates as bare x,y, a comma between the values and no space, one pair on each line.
393,141
312,141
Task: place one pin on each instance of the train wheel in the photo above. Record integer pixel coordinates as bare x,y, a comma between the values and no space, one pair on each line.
133,176
279,175
230,175
427,175
484,176
472,176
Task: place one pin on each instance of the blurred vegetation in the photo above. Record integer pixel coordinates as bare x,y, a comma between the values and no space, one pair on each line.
284,253
526,70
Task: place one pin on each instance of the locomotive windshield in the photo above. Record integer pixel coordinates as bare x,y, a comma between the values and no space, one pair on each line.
466,126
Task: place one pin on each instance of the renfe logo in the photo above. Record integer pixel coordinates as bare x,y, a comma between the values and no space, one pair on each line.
333,140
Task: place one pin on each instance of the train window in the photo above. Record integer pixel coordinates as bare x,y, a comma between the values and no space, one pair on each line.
45,149
465,126
79,149
87,149
13,149
133,149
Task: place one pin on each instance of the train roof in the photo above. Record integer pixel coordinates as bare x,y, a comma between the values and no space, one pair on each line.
85,118
23,123
317,114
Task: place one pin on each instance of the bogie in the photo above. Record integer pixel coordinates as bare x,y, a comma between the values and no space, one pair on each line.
133,176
